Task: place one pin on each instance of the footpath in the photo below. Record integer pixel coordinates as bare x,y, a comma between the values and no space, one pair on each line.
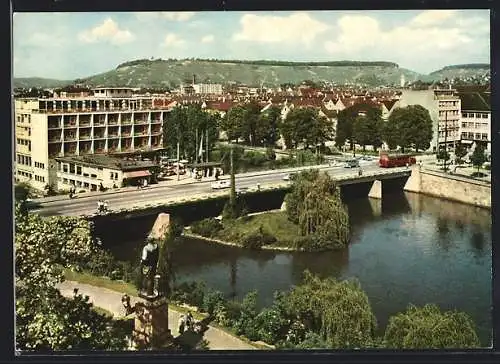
111,301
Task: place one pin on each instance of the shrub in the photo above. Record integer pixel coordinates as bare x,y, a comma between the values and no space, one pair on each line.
211,300
256,239
191,293
270,154
207,227
429,328
316,243
271,325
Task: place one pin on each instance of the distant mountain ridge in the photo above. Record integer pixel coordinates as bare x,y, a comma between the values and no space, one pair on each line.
159,73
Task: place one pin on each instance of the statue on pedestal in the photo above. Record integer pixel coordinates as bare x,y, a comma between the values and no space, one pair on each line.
149,265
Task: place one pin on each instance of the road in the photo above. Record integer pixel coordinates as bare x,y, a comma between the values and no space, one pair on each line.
157,193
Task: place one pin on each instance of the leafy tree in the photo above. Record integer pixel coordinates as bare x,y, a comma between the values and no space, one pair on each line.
338,311
252,132
443,155
429,328
270,121
410,126
361,131
478,157
316,206
369,132
44,319
460,152
233,123
305,126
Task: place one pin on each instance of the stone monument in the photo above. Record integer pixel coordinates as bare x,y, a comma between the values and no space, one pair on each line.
151,312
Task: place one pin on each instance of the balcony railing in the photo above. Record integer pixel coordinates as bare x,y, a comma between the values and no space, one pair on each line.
69,138
84,123
99,136
85,136
112,135
112,122
55,140
126,122
55,126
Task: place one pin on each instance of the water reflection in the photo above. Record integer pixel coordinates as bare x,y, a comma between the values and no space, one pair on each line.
418,250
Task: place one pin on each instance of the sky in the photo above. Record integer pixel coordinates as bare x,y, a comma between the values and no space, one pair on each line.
73,45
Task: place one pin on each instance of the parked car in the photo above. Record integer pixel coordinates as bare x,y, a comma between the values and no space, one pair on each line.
219,185
351,163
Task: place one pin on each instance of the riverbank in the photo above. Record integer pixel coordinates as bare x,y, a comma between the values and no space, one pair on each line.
271,230
106,294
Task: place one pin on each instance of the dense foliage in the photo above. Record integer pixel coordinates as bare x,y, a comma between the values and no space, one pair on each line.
478,157
407,127
304,126
428,327
359,123
189,126
207,227
44,319
315,205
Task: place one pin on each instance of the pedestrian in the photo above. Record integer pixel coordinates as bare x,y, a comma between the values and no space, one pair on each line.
189,321
181,324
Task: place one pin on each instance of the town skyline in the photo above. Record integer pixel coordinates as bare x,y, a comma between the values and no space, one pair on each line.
75,45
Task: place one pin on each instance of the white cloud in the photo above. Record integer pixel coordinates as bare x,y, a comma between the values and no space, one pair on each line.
432,17
169,15
107,31
207,39
178,16
298,28
172,40
358,33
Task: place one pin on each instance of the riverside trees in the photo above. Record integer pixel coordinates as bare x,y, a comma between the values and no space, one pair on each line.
305,126
314,204
359,123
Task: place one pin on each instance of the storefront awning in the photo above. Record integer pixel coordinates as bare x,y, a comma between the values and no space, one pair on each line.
136,174
467,141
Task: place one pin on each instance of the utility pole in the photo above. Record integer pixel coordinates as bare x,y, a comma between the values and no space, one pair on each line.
445,137
196,147
178,153
232,196
206,144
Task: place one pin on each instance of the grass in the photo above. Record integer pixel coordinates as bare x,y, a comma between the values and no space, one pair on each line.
118,286
275,223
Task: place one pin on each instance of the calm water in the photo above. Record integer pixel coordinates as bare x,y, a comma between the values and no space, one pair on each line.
406,249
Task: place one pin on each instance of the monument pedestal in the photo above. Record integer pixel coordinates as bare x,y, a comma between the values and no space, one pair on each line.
151,324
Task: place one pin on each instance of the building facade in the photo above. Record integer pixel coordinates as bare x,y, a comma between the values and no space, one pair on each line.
444,107
111,121
475,122
208,88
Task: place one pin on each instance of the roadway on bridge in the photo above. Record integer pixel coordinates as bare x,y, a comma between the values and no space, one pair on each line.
125,199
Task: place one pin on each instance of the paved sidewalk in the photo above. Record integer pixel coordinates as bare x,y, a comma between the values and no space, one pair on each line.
111,301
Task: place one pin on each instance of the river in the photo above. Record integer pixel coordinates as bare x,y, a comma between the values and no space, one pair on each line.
405,249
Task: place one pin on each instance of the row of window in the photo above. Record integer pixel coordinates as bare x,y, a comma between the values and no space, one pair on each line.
25,118
39,165
113,175
448,113
476,136
25,174
476,115
23,159
76,183
39,178
474,125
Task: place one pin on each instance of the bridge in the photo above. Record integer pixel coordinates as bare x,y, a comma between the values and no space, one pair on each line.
156,196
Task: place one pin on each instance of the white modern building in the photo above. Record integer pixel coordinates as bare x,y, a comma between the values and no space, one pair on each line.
111,121
208,88
475,121
445,111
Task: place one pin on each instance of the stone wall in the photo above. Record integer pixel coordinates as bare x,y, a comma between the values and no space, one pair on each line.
450,187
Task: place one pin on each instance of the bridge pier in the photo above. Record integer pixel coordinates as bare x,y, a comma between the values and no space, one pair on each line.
376,205
414,183
376,190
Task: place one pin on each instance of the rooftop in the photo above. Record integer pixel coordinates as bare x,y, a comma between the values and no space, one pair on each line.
107,162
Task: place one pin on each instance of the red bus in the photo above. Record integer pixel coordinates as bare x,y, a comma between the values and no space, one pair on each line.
396,160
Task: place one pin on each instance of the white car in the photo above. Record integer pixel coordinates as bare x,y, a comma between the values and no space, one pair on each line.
219,185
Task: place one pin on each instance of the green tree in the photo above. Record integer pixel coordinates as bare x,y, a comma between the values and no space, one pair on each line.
316,206
460,152
44,319
429,328
410,126
22,191
339,312
270,121
361,131
442,155
305,126
233,123
478,157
